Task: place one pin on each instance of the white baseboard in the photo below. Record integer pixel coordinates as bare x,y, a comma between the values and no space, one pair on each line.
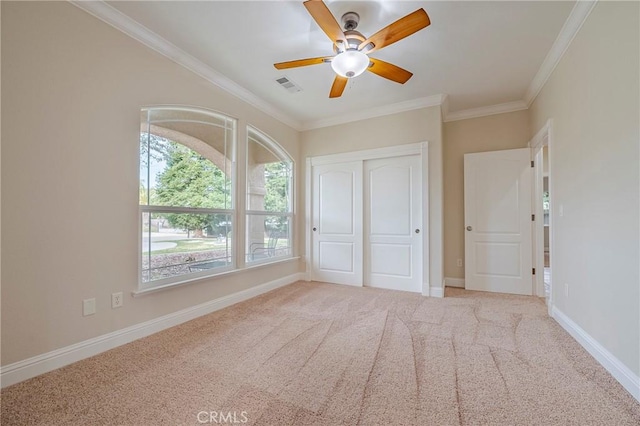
436,292
40,364
454,282
613,365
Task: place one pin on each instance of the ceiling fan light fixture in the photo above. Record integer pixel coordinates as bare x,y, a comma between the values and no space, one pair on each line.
352,49
350,63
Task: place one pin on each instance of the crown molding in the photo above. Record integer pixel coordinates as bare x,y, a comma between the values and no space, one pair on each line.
485,110
429,101
106,13
572,25
139,32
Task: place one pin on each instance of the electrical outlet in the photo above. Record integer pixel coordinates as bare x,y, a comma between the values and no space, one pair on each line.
116,300
459,263
88,307
566,290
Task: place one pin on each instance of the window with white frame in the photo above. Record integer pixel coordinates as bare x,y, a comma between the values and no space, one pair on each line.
269,200
187,210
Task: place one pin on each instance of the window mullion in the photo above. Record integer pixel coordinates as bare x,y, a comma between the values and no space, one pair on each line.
173,209
268,213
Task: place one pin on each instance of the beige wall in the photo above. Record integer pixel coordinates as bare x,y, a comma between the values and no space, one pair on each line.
491,133
72,91
408,127
593,99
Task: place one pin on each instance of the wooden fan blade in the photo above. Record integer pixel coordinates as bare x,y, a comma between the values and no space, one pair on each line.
325,20
302,62
338,86
389,71
400,29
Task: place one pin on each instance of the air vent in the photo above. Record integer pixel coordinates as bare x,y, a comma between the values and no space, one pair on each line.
288,84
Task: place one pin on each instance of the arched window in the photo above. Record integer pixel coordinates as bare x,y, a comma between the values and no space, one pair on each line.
269,199
187,209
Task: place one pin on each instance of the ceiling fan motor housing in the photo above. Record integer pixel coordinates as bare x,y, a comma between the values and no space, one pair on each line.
350,21
354,38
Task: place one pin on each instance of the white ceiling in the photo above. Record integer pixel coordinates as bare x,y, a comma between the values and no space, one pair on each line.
477,53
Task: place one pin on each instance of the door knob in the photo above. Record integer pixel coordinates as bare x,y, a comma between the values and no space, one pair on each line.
469,228
417,231
314,229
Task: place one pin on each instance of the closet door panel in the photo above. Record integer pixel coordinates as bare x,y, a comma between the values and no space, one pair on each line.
337,223
393,223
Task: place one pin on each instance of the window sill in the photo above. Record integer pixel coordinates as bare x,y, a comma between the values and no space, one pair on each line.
146,291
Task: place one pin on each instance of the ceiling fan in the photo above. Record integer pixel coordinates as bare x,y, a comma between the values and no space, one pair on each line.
352,48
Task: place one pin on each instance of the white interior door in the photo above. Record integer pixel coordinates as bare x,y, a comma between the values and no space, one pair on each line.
337,223
497,211
393,223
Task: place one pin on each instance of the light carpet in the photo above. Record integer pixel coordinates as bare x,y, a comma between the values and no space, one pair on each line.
323,354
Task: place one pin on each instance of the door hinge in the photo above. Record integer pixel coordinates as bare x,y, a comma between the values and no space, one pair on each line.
533,217
532,163
533,271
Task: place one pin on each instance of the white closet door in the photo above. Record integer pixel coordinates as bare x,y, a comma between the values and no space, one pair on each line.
337,223
393,223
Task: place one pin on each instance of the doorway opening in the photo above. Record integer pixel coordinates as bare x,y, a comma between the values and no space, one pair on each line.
543,208
546,223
